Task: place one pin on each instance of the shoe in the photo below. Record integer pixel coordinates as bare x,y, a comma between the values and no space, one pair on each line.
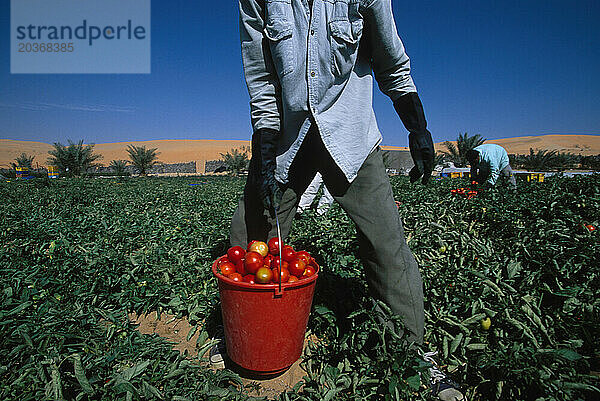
218,352
215,356
441,385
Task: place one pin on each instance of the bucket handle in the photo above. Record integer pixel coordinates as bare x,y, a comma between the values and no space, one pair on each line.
278,291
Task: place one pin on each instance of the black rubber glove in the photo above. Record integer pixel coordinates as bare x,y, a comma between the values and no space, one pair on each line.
264,145
410,111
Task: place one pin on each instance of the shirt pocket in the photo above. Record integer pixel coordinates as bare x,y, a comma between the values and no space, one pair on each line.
344,37
279,31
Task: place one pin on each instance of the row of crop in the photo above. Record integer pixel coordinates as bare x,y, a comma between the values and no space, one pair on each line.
77,255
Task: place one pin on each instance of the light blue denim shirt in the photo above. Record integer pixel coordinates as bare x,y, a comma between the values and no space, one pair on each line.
492,159
302,66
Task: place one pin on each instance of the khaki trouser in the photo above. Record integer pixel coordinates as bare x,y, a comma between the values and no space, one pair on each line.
391,270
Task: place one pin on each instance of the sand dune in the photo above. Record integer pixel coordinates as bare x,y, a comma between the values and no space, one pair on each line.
170,151
175,151
578,144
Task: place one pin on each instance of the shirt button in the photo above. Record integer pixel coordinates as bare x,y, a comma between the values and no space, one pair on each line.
312,74
312,31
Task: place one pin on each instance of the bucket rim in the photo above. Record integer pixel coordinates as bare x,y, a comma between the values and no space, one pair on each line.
264,287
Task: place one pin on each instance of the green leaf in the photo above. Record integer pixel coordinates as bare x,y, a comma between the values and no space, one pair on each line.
191,333
80,375
474,319
414,382
568,354
122,386
134,371
150,391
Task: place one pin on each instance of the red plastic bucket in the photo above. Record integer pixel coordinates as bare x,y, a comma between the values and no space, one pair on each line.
264,329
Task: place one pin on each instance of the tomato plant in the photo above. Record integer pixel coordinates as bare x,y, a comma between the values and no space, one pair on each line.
78,255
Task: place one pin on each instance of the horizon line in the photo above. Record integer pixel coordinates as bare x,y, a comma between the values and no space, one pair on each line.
248,140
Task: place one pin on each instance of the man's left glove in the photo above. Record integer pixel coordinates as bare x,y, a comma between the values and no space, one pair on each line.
268,187
410,111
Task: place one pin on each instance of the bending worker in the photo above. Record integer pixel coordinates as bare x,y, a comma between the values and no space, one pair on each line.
309,67
488,162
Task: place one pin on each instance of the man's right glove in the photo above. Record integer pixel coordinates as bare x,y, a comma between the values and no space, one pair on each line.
265,143
410,111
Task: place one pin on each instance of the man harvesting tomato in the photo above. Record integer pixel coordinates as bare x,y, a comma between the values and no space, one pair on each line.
489,162
309,68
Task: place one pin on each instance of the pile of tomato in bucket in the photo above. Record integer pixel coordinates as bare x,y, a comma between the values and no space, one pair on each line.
260,263
251,282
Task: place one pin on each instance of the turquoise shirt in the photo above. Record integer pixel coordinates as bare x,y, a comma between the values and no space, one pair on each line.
315,65
492,159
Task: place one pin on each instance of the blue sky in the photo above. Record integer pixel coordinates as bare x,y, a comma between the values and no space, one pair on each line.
496,68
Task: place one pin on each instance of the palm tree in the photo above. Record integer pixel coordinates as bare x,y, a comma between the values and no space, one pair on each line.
236,160
566,160
439,159
590,162
143,159
23,161
544,160
457,153
118,166
73,159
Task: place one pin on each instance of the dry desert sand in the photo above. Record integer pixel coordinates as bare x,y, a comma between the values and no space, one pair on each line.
178,151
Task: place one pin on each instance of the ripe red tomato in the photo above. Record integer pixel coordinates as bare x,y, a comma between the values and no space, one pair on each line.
259,247
296,267
274,246
287,253
264,275
309,271
285,275
235,253
252,262
227,268
267,260
235,277
249,278
590,227
305,256
292,279
222,260
240,267
275,263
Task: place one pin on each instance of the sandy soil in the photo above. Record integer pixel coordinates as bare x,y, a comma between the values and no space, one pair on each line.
176,331
176,151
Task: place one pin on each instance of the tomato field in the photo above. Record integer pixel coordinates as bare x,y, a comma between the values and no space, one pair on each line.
511,282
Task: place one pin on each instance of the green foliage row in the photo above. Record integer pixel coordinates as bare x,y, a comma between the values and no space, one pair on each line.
545,160
77,255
